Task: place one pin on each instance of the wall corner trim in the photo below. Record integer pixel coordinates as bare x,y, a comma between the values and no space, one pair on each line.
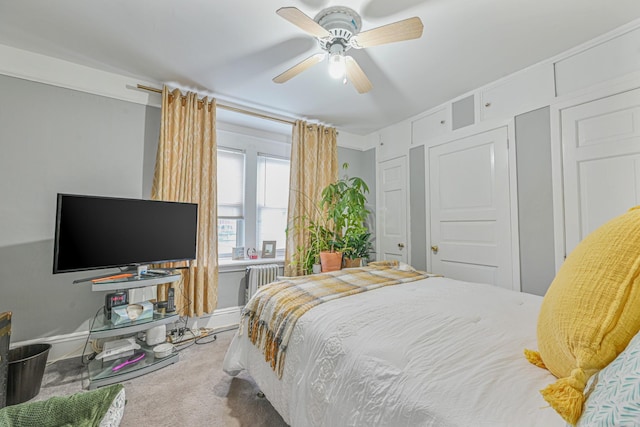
57,72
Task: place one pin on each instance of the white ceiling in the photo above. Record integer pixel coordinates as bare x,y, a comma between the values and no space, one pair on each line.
234,48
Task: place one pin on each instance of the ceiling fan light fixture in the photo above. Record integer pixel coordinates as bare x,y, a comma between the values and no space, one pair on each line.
337,65
337,30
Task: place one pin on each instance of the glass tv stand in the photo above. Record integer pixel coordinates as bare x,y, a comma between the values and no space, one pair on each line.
101,373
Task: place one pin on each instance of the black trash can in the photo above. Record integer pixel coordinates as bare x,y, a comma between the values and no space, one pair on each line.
26,368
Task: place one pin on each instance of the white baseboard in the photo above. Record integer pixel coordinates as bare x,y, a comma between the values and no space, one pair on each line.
62,346
223,318
71,345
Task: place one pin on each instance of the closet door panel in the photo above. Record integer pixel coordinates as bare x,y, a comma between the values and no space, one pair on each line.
601,145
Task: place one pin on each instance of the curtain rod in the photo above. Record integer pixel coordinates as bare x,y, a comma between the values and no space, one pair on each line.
229,108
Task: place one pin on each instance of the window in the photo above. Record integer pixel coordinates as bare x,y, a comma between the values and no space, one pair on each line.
253,190
273,200
231,192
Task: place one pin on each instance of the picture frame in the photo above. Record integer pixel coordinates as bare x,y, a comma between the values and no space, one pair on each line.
269,249
237,253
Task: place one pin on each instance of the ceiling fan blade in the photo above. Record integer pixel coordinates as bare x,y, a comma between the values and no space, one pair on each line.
406,29
357,77
299,67
296,17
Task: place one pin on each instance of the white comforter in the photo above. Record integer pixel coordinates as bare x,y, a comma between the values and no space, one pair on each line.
434,352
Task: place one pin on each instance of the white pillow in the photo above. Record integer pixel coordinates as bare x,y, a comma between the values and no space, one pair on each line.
613,394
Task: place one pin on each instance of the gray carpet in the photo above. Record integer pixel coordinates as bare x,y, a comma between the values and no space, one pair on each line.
192,392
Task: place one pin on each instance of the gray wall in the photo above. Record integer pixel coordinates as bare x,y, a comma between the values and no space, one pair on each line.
535,200
56,140
368,173
231,288
153,117
362,164
418,207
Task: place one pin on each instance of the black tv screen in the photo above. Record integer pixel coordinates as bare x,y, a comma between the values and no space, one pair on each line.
100,232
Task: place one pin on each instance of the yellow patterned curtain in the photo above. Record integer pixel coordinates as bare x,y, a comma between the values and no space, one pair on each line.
314,164
186,172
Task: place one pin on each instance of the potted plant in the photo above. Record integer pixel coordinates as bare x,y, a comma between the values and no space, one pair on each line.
318,242
344,205
323,248
357,247
336,226
313,224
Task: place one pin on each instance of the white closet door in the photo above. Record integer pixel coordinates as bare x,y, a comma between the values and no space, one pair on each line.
470,209
601,148
393,209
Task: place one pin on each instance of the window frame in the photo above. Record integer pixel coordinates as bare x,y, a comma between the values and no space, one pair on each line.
252,143
279,249
240,219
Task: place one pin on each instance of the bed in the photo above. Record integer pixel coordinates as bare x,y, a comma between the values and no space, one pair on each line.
429,352
397,348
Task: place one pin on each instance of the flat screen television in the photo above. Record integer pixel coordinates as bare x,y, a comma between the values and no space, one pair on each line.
101,232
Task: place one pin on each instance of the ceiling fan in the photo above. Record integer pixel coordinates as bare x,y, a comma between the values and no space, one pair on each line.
337,29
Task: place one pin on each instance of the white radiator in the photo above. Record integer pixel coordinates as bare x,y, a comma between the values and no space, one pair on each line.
258,275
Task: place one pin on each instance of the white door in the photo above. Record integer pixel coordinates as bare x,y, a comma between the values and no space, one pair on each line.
470,209
393,210
601,148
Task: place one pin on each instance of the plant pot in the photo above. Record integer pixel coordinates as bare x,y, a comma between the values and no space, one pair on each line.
330,261
352,262
317,268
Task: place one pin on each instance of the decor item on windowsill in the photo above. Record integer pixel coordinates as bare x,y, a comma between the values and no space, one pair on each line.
344,204
237,253
269,249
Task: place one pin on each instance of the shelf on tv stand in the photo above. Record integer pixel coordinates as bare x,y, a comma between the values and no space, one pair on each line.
103,328
134,282
100,373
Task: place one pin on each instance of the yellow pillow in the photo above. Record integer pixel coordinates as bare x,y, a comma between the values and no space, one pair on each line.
590,312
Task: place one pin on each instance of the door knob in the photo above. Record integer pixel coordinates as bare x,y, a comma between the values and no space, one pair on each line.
434,248
401,245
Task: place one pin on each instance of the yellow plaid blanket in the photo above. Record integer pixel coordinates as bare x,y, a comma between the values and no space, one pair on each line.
275,308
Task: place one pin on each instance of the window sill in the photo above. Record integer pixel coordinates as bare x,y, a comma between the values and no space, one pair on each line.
226,265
